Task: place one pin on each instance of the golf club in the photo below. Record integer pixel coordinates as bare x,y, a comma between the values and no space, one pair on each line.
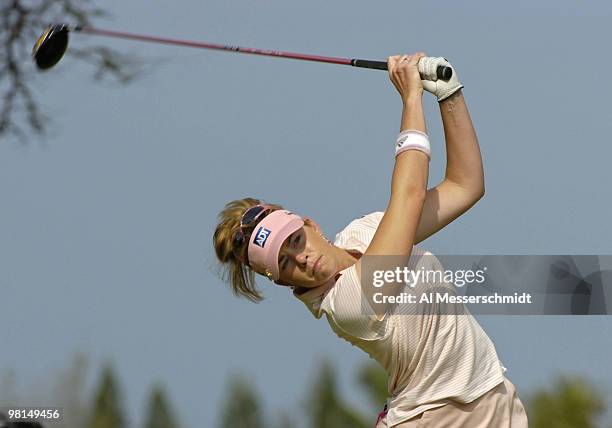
52,44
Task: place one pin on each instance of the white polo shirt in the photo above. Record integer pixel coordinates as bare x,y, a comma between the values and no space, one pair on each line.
430,359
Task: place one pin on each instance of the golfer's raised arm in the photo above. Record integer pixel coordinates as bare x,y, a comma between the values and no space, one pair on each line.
396,233
463,183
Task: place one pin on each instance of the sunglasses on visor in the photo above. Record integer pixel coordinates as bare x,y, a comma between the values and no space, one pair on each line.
250,217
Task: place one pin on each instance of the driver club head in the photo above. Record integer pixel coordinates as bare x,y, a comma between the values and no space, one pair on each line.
50,46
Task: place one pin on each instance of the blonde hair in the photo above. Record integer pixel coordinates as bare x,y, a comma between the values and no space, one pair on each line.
239,275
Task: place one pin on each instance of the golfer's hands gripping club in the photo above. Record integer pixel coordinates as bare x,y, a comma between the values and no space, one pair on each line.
404,73
440,88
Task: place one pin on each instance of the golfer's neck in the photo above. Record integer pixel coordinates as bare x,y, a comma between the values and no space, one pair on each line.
346,259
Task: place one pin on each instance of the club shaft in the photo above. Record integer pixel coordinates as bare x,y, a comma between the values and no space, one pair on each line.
442,72
203,45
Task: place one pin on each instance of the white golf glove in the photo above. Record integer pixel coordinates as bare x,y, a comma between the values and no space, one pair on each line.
440,88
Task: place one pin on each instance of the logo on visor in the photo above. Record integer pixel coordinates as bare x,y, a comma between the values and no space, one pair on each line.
261,236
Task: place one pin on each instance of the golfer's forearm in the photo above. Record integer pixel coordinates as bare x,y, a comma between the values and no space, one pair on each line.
463,159
410,175
412,166
412,114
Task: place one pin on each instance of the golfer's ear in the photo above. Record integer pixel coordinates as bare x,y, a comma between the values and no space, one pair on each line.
312,224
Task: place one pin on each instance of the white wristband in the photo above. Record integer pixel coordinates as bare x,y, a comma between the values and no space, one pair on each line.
413,140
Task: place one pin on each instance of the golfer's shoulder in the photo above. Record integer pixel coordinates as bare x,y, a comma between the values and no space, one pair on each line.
359,232
365,222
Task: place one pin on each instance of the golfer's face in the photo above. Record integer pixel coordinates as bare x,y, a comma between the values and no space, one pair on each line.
306,259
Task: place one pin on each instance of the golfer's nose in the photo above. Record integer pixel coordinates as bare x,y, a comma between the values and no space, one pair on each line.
301,258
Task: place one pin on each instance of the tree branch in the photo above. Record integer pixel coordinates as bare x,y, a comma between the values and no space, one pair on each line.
21,22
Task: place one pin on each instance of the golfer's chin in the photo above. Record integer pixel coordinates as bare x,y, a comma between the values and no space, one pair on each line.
321,279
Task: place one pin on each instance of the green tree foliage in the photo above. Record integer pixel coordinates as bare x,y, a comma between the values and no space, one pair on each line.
372,379
8,388
159,411
326,409
68,392
571,403
64,388
284,421
106,410
242,408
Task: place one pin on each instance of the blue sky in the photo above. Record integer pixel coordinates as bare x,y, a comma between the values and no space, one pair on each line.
106,224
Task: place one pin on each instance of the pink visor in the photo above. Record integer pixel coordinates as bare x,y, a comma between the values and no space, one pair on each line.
268,237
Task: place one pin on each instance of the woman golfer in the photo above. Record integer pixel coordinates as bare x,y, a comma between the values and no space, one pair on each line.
443,369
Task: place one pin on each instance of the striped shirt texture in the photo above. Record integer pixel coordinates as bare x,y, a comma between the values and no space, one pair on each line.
430,359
